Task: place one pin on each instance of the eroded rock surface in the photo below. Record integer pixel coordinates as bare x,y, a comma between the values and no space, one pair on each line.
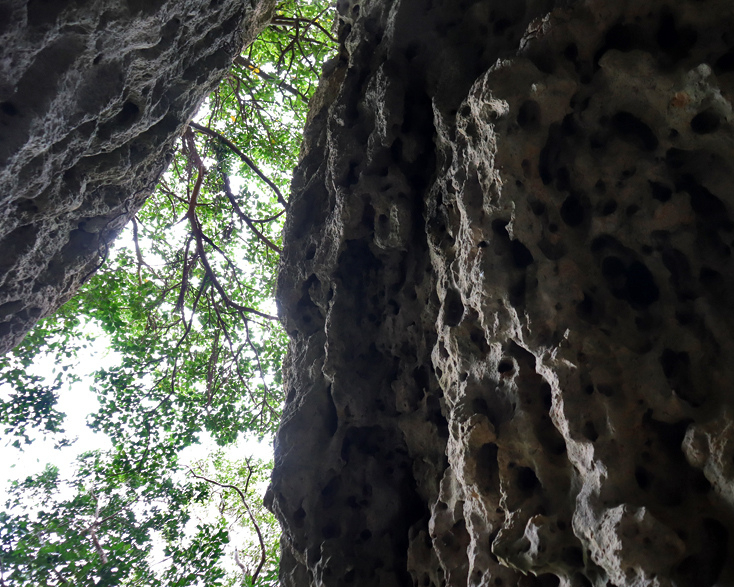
92,97
507,279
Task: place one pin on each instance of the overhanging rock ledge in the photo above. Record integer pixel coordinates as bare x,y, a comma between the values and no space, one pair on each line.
92,97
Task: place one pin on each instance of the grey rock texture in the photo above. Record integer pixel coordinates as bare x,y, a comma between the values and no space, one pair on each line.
92,97
507,279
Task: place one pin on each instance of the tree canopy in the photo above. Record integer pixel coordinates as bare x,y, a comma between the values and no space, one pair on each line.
185,301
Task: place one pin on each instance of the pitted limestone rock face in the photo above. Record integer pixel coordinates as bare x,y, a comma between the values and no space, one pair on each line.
507,279
92,97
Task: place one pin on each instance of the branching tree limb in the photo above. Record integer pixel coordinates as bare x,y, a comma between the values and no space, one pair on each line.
243,157
263,549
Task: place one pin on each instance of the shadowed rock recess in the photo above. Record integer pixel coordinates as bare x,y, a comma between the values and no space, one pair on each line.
507,279
92,97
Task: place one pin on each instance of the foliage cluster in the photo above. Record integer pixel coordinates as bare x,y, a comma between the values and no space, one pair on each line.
185,301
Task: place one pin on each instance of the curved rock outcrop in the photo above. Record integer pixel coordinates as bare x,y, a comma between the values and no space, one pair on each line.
507,277
92,97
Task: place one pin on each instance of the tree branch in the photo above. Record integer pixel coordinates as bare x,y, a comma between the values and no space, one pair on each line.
246,219
249,65
263,550
243,157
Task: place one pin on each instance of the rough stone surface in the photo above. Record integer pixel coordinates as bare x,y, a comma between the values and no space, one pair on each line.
507,279
92,97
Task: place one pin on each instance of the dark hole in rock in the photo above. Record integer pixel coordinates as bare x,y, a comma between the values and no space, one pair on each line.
634,131
621,37
499,226
580,580
602,242
643,478
420,376
569,126
526,479
676,158
703,568
299,516
517,293
572,211
349,576
632,209
453,308
563,179
598,140
329,492
127,114
411,51
709,277
505,366
641,287
8,108
725,63
573,556
589,431
521,255
548,154
544,60
331,418
675,41
537,207
609,208
605,390
705,122
627,173
660,192
699,483
501,25
547,395
673,362
477,336
527,169
705,204
548,580
571,52
330,531
587,310
353,174
552,251
487,467
482,244
612,268
528,117
553,227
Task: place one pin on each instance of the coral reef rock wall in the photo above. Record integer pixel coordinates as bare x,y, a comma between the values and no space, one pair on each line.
507,280
92,97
